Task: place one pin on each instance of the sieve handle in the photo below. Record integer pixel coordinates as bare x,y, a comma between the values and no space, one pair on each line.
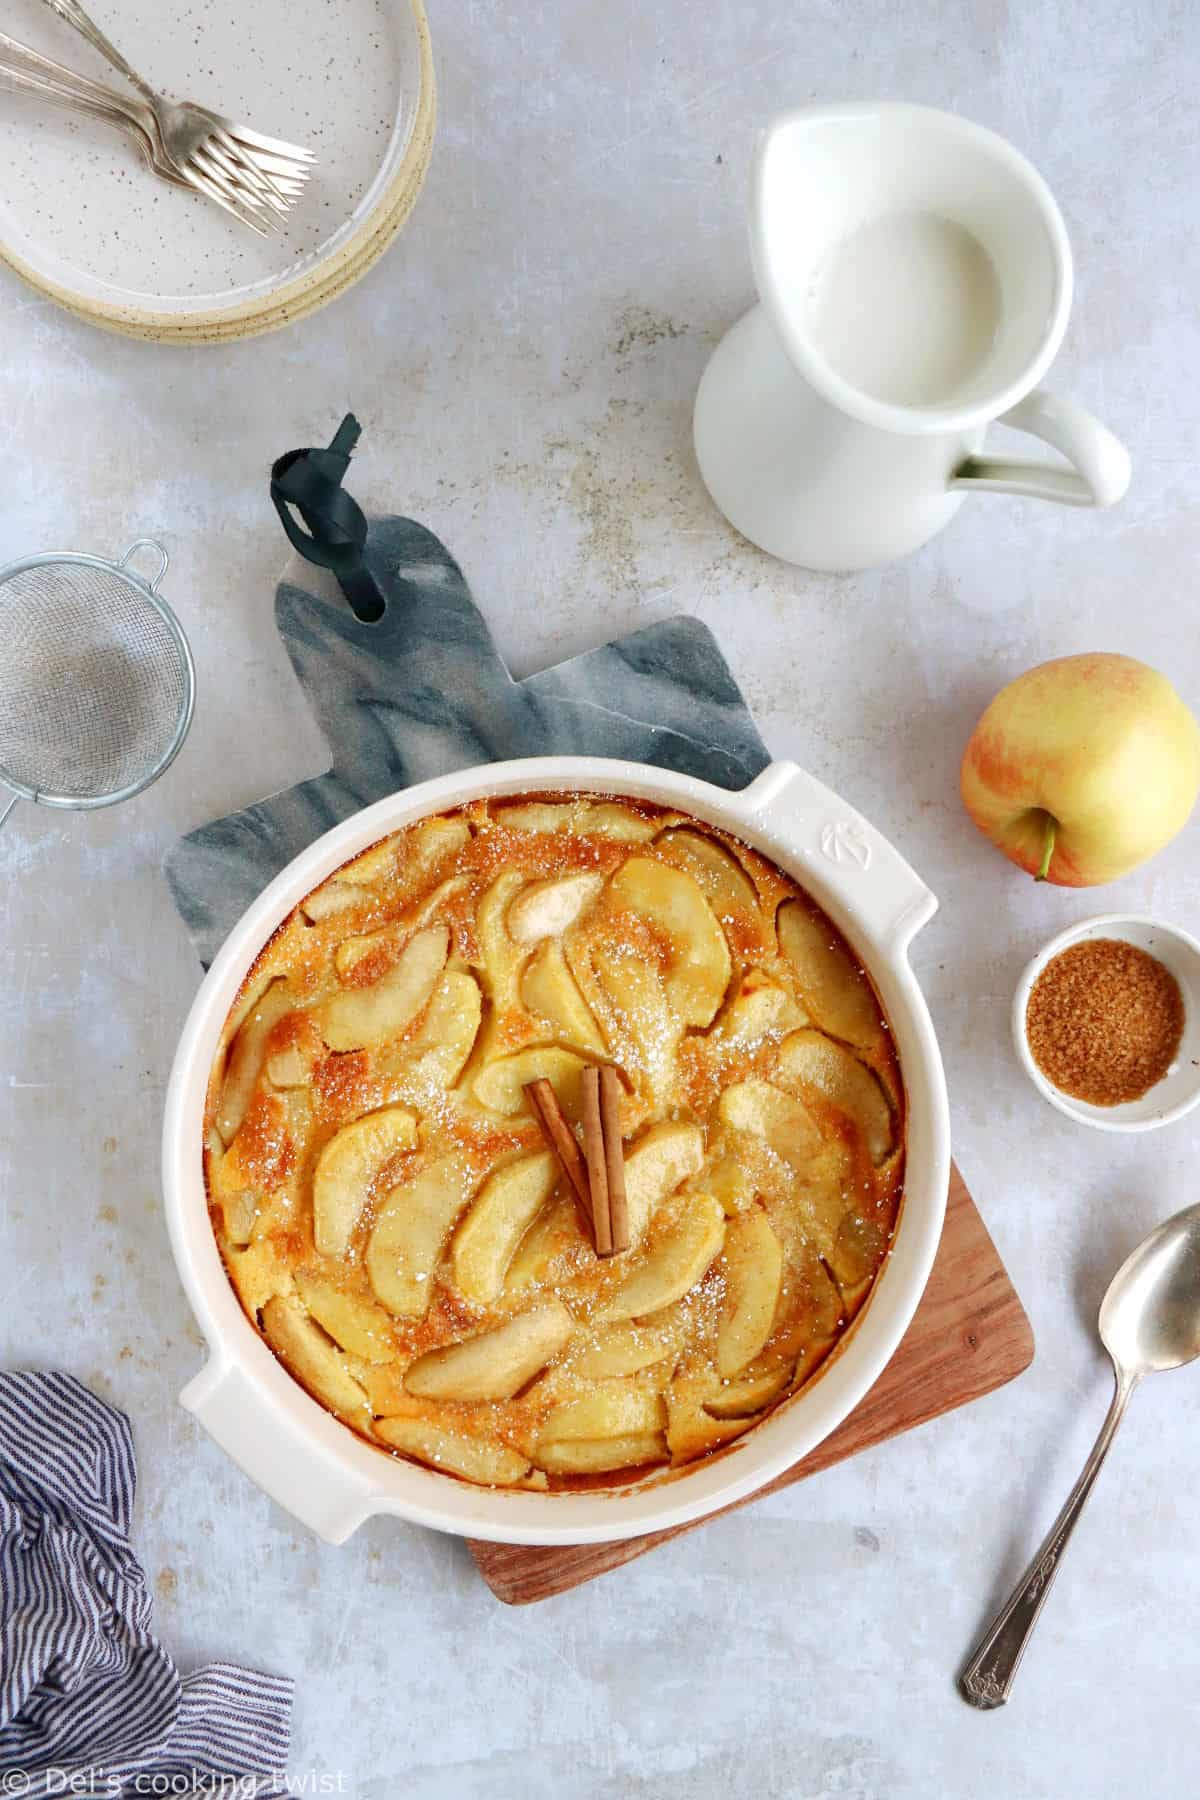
8,807
146,544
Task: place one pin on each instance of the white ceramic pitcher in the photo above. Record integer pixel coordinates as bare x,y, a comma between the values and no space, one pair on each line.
841,427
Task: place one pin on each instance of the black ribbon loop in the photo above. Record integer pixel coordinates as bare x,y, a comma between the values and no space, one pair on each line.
309,482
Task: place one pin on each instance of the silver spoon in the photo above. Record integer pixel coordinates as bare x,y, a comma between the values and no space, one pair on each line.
1149,1320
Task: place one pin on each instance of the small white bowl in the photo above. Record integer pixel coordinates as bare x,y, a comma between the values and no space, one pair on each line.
1179,1089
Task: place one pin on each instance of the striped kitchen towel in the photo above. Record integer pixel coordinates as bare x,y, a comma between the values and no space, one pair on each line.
86,1690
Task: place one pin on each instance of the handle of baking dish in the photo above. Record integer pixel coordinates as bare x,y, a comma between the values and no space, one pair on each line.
884,896
284,1460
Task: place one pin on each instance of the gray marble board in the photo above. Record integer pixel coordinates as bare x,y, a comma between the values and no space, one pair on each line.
424,692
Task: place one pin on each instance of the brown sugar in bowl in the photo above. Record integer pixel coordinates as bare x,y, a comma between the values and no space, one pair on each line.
1111,1036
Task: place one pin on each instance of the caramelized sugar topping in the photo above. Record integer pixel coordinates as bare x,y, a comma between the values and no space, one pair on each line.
386,1205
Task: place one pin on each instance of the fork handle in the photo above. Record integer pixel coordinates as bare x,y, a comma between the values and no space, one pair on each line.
28,71
17,58
71,13
24,81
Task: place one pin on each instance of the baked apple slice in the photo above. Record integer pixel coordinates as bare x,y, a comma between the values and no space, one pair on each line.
495,1364
351,885
809,1059
379,861
364,1018
423,847
858,1247
379,948
719,873
500,1085
239,1213
356,1324
729,1181
753,1262
414,1222
608,1410
232,1186
352,951
699,967
660,1161
346,1168
674,1263
625,1348
500,957
743,1398
758,1008
443,1041
259,1271
438,898
500,962
550,991
554,1240
597,1456
644,1027
247,1055
836,992
765,1111
810,1314
430,843
333,897
261,1157
584,818
691,1428
545,909
506,1206
491,1465
314,1360
294,1049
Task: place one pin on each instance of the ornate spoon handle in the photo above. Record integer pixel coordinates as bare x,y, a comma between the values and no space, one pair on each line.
988,1677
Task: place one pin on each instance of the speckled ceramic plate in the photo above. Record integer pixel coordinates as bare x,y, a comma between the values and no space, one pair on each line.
87,224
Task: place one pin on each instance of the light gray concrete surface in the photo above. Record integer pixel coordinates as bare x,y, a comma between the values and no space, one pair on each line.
523,362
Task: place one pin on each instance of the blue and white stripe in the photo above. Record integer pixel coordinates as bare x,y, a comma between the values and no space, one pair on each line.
85,1688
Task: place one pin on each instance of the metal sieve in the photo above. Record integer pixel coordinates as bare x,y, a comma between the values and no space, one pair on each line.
97,682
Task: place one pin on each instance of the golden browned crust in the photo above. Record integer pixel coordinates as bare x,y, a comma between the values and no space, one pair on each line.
383,1199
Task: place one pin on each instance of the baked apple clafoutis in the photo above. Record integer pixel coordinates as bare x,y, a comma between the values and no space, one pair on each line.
387,1206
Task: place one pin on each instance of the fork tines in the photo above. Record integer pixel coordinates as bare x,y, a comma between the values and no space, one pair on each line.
258,179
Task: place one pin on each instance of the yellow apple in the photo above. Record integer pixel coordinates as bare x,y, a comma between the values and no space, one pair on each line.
1082,768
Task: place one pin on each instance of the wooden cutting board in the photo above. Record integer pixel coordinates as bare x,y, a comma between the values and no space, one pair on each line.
970,1335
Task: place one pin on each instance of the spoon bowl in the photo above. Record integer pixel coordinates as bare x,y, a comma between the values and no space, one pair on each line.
1150,1316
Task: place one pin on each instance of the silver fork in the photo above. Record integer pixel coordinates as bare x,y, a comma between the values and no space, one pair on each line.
27,71
262,173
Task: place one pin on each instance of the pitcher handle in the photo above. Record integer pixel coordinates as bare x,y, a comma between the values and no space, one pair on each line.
1101,467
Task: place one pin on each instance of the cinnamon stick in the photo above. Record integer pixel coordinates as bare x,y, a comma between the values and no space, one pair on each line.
543,1102
597,1167
614,1158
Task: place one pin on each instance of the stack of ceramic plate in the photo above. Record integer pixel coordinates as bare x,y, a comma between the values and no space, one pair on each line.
84,222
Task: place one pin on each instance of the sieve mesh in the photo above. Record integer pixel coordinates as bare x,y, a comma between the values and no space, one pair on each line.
95,683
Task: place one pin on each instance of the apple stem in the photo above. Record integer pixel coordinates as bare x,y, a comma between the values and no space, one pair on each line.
1047,848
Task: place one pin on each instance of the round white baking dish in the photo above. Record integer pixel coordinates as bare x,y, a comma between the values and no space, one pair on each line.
332,1480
